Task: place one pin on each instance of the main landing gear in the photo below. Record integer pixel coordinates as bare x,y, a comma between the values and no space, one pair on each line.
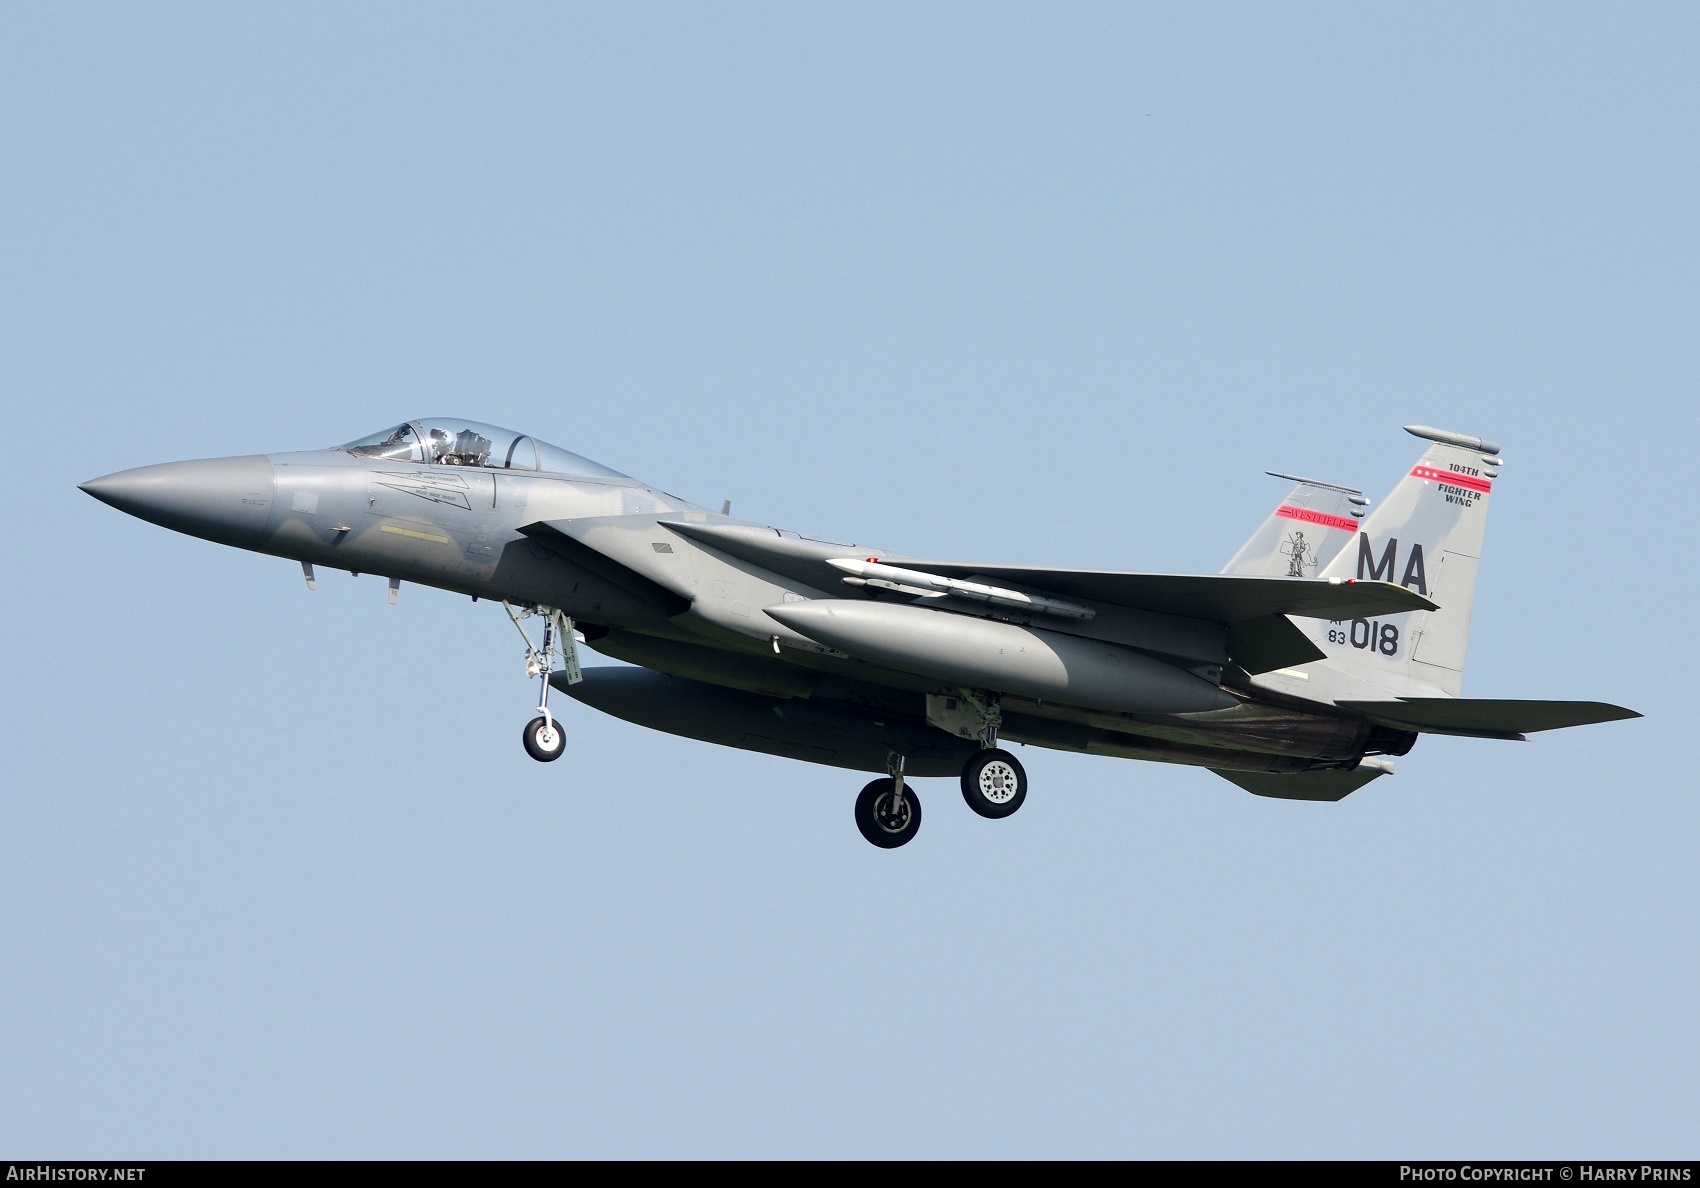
544,739
994,784
888,812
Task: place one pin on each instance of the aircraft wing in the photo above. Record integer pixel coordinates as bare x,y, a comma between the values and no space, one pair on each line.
1253,608
1218,598
1485,717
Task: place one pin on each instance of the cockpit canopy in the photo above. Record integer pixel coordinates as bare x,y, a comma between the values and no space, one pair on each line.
450,441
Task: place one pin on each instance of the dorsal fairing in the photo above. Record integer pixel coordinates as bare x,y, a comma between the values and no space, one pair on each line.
455,441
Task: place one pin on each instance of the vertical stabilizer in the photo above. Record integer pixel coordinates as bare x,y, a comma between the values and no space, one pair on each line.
1426,535
1304,532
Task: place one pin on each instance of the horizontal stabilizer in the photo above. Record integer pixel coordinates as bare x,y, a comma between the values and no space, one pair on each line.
1486,717
1309,785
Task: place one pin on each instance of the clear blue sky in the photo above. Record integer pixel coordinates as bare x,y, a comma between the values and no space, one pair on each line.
1047,283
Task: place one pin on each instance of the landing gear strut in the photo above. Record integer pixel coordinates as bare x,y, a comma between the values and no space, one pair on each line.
993,783
888,812
544,739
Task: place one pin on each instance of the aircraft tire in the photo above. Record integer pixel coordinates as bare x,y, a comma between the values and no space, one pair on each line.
994,784
543,742
876,821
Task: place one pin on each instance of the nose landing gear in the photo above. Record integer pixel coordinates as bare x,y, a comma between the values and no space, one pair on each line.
544,739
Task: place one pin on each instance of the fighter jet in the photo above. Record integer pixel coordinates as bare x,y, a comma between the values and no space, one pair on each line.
1331,641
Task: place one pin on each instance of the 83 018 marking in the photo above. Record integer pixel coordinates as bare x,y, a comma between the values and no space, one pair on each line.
1367,635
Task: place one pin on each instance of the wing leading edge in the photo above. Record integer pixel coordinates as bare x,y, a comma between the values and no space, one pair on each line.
1220,598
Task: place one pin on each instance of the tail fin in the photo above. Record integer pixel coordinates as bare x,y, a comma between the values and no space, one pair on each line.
1303,534
1426,535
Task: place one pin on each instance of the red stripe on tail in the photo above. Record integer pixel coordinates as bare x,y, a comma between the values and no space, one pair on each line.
1468,481
1316,517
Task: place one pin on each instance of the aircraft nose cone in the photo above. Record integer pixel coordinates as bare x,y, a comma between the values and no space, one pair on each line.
224,499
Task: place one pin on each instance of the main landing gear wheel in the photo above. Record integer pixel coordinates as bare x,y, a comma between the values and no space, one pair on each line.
885,820
544,739
993,784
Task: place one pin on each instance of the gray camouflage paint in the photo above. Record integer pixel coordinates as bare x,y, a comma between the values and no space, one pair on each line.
719,610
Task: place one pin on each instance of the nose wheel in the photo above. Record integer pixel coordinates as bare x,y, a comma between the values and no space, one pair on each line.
994,784
544,739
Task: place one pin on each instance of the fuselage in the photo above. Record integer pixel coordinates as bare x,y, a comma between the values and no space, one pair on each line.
466,508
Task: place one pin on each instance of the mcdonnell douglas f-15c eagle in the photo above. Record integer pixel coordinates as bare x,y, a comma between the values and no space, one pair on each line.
1329,643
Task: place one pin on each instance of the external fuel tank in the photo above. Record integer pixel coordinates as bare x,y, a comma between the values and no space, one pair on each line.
1003,657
